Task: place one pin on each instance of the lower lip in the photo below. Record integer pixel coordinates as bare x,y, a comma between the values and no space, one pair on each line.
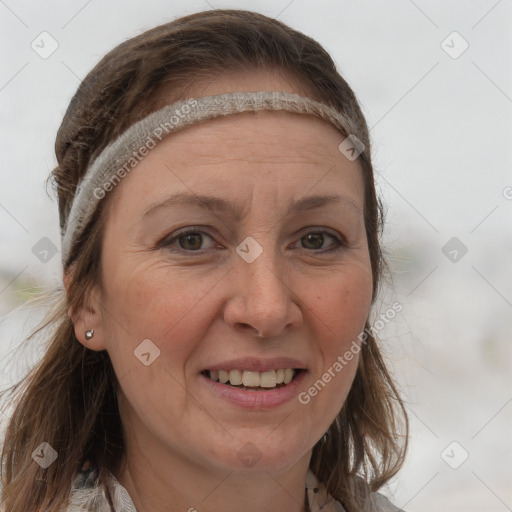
256,399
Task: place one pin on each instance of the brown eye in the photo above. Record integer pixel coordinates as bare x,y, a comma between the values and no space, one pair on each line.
190,241
315,240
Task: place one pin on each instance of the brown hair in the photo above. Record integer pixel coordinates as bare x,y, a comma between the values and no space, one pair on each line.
69,398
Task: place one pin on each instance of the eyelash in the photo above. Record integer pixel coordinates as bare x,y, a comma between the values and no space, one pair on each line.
167,242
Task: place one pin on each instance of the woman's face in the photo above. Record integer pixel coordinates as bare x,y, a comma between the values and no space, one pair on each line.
269,277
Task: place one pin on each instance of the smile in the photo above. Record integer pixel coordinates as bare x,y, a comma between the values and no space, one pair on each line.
252,380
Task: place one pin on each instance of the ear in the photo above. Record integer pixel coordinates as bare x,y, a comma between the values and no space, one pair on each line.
88,317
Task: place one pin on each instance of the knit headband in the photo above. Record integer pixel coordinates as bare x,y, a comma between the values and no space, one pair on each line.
124,153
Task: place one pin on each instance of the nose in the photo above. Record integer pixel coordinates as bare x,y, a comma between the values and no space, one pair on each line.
262,299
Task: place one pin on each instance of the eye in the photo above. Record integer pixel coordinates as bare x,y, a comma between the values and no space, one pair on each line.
314,240
190,240
193,240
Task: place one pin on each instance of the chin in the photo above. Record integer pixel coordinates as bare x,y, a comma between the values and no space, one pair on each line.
259,454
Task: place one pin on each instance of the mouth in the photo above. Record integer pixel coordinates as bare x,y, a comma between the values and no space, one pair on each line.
253,380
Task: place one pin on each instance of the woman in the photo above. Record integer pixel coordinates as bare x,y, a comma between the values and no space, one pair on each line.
220,243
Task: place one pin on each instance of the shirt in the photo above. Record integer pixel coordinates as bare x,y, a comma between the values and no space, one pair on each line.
87,496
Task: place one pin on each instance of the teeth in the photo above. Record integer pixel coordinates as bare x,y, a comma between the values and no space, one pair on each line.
235,377
268,379
250,379
288,375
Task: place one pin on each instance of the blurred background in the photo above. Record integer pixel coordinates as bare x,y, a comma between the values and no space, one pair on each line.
434,79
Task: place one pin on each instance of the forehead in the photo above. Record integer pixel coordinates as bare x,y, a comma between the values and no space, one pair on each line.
263,136
272,149
276,154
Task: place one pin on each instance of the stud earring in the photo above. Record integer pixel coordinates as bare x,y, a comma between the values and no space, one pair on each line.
89,334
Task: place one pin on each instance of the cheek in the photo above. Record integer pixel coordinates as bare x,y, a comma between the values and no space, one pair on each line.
342,306
169,308
339,314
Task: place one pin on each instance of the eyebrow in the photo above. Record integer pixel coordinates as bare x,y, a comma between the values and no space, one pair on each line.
236,210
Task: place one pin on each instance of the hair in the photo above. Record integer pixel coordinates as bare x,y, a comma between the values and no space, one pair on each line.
69,398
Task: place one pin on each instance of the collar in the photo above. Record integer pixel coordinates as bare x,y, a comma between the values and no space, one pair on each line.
113,497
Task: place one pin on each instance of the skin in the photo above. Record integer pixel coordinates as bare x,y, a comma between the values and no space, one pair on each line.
208,306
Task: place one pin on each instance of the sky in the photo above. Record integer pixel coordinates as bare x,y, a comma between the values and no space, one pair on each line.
434,80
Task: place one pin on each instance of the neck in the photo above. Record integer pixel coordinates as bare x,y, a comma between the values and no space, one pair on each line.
158,485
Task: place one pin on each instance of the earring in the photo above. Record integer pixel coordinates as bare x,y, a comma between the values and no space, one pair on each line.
89,334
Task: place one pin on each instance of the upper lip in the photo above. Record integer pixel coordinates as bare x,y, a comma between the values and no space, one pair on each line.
257,364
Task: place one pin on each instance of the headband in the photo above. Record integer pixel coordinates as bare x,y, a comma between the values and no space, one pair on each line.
123,154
